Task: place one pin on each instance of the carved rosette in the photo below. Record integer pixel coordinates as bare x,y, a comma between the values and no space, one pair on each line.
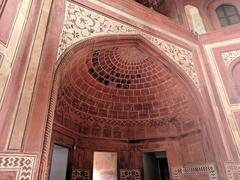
134,174
81,174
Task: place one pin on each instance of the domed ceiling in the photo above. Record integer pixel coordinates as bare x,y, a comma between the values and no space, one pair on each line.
158,5
123,86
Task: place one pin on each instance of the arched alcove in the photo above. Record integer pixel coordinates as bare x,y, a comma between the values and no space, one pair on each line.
94,88
125,88
194,19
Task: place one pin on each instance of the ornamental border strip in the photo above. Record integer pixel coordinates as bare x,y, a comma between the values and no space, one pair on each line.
209,169
22,164
81,23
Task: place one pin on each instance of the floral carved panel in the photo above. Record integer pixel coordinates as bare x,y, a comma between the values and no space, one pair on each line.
81,23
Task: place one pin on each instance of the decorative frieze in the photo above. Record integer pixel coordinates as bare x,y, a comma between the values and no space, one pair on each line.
20,164
79,174
133,174
230,56
81,23
232,170
208,169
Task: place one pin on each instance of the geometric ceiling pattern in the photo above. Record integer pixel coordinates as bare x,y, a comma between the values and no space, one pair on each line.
123,86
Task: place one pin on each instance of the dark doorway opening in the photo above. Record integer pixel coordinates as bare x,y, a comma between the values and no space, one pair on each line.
155,166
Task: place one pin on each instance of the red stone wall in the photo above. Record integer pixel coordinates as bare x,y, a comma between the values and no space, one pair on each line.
182,151
28,64
8,13
18,21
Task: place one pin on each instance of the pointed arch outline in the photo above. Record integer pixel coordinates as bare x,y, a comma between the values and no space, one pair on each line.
87,45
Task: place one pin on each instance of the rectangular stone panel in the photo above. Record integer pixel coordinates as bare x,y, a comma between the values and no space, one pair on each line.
2,5
237,116
8,175
8,13
1,59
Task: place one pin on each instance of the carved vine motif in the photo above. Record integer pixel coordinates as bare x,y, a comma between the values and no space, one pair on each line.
22,164
81,23
209,169
229,57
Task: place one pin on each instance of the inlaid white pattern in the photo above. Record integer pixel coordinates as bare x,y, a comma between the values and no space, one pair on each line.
22,164
230,56
81,23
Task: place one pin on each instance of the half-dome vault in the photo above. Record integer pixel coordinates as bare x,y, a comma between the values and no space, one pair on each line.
124,88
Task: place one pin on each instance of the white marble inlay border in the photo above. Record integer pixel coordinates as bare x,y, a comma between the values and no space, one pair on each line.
81,23
22,164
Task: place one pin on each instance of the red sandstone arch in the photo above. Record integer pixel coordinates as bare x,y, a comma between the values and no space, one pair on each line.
88,45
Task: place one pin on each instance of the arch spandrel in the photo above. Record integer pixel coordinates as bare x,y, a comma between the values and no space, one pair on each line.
230,57
81,24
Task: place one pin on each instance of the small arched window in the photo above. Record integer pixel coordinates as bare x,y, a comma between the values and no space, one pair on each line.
228,15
